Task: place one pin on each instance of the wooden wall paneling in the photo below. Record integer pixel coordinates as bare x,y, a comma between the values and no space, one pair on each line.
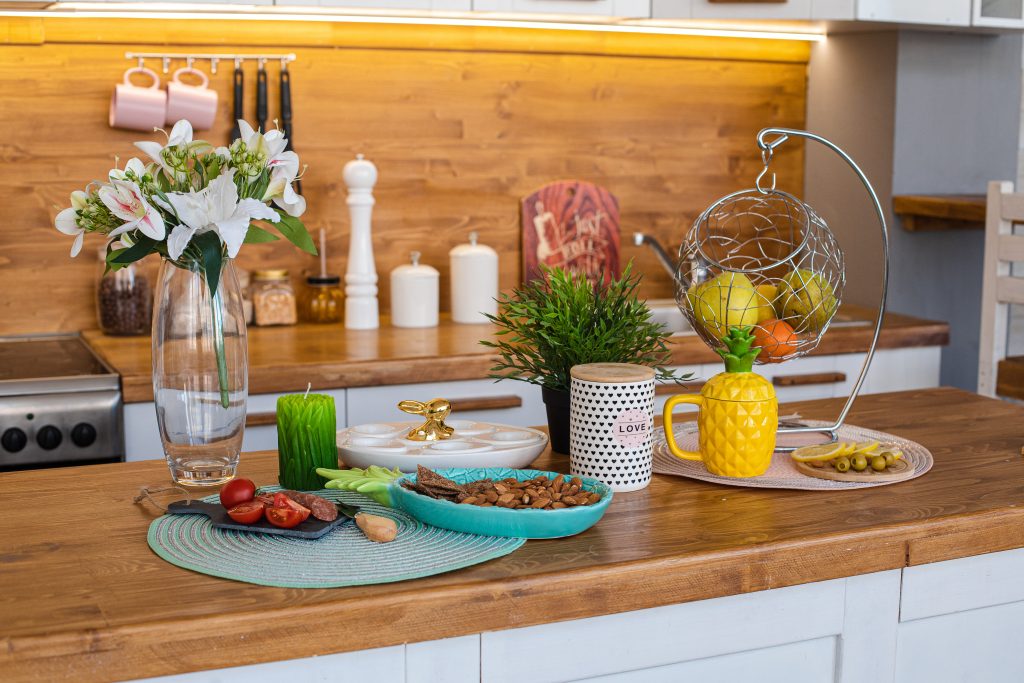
458,136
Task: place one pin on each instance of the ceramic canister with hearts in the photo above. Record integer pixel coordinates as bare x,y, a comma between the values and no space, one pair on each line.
611,423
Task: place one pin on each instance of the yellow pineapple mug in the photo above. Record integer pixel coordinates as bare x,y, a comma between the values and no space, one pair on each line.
738,416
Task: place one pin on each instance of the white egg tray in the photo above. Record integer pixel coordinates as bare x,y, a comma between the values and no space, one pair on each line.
474,444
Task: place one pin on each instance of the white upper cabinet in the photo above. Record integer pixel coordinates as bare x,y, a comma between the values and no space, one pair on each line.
632,9
998,13
932,12
935,12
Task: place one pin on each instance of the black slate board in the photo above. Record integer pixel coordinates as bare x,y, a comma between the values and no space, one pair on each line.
311,528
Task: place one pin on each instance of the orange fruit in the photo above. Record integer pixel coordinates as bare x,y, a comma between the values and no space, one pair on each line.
776,339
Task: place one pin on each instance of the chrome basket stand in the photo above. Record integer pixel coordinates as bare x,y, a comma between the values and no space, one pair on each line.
767,147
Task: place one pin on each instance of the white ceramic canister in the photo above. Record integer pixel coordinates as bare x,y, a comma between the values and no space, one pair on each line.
474,285
611,424
415,294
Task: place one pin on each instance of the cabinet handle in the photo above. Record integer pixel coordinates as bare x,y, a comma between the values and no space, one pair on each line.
485,403
669,388
261,419
811,378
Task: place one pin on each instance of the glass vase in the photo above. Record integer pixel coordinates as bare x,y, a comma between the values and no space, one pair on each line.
200,373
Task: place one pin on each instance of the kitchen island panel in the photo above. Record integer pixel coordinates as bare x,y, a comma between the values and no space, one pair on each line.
117,606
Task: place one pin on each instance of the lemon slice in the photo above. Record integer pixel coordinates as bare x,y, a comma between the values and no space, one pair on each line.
848,448
824,451
866,447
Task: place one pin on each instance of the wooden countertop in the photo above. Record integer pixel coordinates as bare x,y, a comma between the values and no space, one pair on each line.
284,359
84,598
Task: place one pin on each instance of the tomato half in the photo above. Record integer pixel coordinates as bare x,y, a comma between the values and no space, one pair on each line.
286,518
283,501
247,513
237,491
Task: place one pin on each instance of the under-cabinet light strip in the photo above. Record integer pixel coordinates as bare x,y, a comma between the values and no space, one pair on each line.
645,29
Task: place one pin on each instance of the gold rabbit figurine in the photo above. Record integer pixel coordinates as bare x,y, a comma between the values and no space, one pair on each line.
435,410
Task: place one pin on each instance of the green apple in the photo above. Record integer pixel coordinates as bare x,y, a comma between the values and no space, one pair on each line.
806,300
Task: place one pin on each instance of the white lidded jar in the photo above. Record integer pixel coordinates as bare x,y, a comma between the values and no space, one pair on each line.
415,294
474,281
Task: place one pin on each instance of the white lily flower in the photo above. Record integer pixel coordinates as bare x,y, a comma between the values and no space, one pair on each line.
67,221
134,165
126,201
216,208
181,136
284,169
271,143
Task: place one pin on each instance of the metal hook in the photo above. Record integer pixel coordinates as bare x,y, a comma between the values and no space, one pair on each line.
142,63
284,64
188,62
238,62
213,64
760,176
167,64
262,63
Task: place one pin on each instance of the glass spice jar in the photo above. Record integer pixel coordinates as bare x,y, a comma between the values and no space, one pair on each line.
124,300
322,299
273,299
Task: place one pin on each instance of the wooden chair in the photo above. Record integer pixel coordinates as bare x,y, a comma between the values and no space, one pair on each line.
1000,289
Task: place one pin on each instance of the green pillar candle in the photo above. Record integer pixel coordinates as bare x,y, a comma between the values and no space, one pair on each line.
306,427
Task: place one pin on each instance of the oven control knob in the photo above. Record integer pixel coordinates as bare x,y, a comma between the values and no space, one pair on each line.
49,437
83,435
13,440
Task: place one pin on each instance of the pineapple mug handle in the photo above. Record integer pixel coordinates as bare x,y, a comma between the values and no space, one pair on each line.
670,438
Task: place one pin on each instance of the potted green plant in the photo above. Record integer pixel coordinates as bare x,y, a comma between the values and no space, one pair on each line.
560,320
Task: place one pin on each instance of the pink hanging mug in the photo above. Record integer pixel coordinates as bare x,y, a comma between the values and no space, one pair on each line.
138,107
196,103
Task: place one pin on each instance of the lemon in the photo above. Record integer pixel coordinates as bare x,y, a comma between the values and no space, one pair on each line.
848,448
866,447
818,452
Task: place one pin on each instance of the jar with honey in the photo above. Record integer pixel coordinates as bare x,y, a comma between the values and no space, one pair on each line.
322,299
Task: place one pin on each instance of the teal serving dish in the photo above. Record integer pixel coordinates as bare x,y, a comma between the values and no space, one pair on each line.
495,521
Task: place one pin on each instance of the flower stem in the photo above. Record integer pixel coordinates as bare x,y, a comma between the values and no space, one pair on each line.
218,345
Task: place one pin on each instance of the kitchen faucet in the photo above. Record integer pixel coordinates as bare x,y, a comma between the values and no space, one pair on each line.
640,239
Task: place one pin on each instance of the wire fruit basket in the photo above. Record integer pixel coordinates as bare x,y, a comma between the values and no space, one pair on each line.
761,258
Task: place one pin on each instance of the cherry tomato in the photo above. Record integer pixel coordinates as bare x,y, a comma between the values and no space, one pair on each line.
237,491
776,339
247,513
284,502
286,518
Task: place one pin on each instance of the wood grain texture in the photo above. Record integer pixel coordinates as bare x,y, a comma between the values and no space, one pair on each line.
92,602
461,125
284,359
940,212
1010,377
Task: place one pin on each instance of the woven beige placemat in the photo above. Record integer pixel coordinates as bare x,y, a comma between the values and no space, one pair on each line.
782,474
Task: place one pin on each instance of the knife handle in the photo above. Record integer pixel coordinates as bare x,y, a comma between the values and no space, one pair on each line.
261,99
286,106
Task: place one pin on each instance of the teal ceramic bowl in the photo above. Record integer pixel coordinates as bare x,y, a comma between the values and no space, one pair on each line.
495,521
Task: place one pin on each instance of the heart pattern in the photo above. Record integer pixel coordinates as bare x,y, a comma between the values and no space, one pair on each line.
610,432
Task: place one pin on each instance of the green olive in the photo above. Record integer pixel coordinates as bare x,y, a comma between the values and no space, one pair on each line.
842,464
890,459
859,463
878,463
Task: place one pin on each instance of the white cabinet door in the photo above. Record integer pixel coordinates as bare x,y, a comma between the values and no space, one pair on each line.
508,402
938,12
791,9
635,9
961,620
998,13
440,5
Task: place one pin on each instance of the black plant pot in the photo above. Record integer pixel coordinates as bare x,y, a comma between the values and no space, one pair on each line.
557,405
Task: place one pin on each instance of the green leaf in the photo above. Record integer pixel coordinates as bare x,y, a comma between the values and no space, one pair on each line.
295,232
213,257
143,247
257,235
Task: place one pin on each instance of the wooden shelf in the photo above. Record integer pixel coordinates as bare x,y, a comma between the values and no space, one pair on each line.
922,212
1010,377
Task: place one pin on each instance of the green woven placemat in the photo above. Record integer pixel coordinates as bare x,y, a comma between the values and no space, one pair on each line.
344,557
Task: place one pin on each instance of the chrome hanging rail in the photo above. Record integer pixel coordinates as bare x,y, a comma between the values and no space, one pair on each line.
167,57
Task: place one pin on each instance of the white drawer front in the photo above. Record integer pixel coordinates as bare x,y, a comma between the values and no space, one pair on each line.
663,636
939,588
380,404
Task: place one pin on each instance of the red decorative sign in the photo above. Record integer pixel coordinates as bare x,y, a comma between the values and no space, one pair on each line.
573,225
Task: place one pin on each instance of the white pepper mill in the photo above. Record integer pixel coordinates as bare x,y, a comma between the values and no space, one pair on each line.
414,294
474,270
361,309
